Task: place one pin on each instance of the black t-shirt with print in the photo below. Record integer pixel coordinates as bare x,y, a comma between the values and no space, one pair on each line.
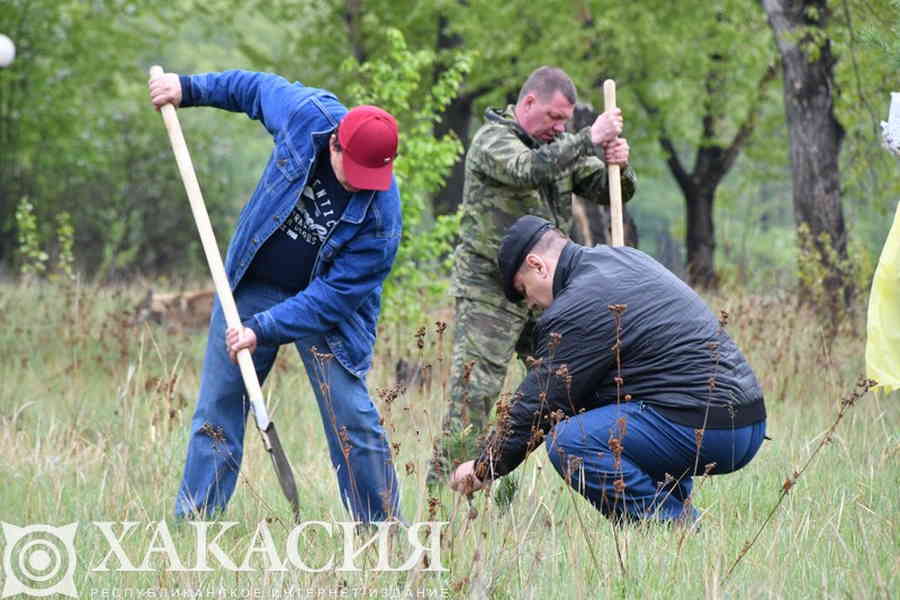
287,257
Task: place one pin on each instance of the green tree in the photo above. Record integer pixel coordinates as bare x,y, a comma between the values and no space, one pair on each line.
401,83
699,98
864,35
830,79
696,103
79,136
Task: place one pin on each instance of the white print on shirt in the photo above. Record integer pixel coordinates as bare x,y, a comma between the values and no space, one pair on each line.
312,228
322,202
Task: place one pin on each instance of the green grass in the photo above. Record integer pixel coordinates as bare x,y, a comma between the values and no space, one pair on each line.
94,412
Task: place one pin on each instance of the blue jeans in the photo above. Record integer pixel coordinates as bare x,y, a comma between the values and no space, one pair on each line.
657,459
366,476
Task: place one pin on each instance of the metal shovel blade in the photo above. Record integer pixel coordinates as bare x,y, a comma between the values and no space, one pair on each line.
283,469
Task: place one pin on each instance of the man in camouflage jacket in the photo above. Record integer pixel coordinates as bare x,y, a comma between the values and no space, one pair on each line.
520,162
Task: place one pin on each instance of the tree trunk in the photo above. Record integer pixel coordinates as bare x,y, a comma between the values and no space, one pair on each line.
353,12
816,137
592,226
456,118
713,161
701,236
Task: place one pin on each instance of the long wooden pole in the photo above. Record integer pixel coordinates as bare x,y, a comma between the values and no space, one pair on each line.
211,249
615,182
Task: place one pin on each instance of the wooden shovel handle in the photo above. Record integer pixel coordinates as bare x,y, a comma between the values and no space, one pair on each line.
615,183
211,249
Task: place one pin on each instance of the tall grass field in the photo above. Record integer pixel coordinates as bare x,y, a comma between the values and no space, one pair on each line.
95,406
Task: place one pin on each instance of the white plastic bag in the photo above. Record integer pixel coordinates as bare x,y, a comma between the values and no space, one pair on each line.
890,130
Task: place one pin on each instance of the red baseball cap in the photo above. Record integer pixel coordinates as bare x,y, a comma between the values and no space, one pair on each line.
368,137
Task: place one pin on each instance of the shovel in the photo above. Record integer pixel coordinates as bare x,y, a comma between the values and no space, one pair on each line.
223,289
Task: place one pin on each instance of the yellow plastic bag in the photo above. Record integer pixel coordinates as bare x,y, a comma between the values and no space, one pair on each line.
883,327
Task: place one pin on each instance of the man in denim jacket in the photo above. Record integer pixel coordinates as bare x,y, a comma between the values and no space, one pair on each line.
306,264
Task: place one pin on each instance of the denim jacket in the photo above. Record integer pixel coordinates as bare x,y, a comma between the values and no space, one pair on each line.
343,298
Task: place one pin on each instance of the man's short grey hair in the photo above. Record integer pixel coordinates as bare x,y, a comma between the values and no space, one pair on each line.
553,240
544,81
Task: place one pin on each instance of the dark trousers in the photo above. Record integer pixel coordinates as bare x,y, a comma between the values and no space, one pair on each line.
357,443
657,458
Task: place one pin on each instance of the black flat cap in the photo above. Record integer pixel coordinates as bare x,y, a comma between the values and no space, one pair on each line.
519,239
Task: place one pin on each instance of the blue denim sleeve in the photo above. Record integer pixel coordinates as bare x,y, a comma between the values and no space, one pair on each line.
187,91
360,267
264,97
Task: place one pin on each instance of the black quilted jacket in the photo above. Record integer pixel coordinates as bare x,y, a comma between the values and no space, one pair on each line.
673,354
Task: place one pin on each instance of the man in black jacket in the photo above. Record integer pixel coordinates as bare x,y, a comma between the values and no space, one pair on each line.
635,386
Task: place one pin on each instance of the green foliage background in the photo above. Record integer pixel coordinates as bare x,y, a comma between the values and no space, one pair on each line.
78,134
94,412
396,83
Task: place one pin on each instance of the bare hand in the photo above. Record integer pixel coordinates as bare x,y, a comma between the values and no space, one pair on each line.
165,89
616,152
236,339
607,126
464,479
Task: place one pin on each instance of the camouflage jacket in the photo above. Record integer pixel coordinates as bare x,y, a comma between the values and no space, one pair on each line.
510,174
